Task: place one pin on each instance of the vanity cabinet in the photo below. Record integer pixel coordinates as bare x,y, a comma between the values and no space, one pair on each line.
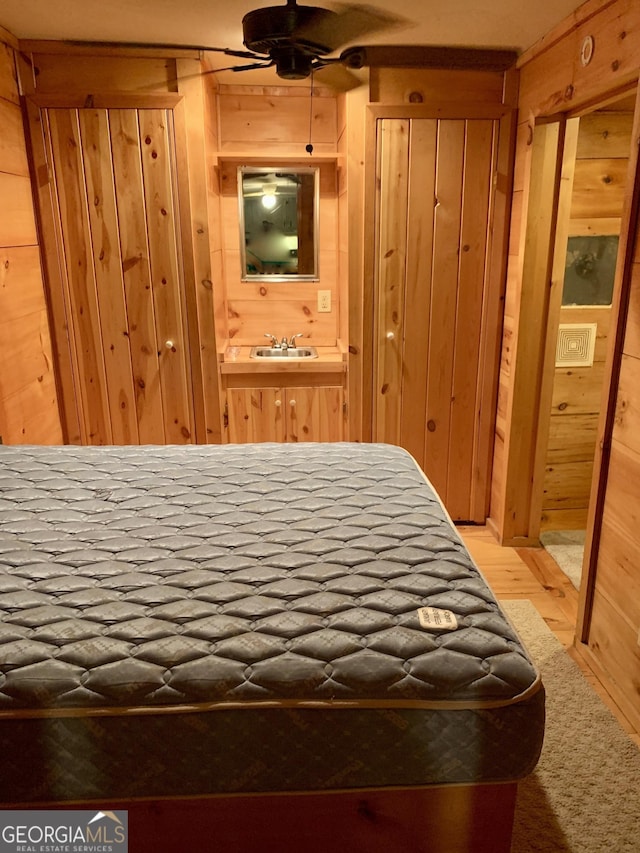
293,413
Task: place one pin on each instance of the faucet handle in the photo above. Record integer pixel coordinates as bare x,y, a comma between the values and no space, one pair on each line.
274,341
293,338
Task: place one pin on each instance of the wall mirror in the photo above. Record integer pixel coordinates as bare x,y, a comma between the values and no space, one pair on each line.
278,223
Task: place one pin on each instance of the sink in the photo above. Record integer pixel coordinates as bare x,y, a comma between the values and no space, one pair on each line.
275,353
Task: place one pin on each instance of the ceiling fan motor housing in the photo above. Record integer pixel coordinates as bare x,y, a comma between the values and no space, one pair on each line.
289,26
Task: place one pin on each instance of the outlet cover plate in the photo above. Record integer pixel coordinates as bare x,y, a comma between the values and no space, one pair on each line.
324,301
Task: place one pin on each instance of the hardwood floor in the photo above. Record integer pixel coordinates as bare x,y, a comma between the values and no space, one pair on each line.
531,573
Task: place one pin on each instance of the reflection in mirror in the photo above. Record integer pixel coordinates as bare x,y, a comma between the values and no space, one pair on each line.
590,270
278,223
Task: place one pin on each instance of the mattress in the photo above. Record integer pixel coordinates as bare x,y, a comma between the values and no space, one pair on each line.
194,620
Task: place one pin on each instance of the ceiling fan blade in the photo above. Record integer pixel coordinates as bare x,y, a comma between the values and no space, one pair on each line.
333,73
242,54
214,69
350,23
427,56
251,67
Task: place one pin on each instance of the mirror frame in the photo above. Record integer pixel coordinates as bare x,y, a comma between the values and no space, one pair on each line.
266,170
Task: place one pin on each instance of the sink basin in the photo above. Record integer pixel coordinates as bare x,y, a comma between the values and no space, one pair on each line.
273,353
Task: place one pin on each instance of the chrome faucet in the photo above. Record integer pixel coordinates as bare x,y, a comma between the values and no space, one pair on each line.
284,344
274,341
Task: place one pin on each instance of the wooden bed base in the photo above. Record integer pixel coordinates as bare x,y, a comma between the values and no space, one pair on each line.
447,819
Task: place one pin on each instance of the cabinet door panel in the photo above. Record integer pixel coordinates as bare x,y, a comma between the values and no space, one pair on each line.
314,414
117,238
437,299
255,414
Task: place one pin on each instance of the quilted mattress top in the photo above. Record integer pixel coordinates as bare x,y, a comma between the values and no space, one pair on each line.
150,578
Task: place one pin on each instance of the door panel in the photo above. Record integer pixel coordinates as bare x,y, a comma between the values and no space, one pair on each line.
83,316
434,207
107,265
162,230
465,397
136,271
255,414
315,414
444,303
124,291
419,275
393,170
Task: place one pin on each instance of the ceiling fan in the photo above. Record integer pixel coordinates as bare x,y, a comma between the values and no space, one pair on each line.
294,39
297,39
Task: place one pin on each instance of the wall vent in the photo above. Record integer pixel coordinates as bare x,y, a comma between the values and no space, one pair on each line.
576,344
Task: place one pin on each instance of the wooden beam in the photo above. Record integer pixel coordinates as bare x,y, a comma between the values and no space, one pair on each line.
8,38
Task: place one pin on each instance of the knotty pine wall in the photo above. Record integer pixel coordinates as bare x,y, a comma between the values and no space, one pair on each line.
260,125
552,81
351,255
573,429
28,397
216,245
599,178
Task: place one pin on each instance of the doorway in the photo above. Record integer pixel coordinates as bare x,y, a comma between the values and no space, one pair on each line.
595,163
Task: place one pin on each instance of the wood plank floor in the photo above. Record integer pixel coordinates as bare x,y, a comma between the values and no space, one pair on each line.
531,573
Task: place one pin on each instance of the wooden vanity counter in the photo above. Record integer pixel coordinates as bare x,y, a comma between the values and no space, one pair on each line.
329,360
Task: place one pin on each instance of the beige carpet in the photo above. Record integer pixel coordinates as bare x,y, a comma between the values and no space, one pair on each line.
567,549
584,796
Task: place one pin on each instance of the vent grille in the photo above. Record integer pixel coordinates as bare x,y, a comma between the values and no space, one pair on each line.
576,344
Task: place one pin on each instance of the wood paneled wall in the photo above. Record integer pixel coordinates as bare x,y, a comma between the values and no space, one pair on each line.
351,227
573,429
264,126
28,396
553,81
611,600
216,244
599,178
417,85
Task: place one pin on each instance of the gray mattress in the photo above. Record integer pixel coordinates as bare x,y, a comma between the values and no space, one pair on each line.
250,618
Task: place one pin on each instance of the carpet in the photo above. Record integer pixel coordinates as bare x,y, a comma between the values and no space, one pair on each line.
584,796
567,549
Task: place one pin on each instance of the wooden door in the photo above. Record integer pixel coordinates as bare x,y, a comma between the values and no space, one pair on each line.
112,175
255,414
315,414
436,304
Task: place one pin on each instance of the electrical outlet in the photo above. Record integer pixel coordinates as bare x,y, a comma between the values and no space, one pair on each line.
324,301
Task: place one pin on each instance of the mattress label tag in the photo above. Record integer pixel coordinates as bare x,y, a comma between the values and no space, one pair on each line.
435,619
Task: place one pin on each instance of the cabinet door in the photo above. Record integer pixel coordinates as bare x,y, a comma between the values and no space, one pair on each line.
255,414
315,414
437,301
119,247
